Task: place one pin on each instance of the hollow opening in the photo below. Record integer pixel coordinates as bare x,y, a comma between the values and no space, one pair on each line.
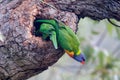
36,27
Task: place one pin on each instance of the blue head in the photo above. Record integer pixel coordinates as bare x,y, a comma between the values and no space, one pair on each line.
80,58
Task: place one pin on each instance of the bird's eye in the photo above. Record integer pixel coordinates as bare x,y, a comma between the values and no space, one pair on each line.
83,58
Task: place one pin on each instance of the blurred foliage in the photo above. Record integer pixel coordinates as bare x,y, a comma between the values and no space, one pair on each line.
100,43
104,62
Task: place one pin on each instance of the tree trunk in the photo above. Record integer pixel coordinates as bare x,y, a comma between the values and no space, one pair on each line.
22,54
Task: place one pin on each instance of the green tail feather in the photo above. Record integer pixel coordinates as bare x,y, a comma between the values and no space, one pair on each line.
54,39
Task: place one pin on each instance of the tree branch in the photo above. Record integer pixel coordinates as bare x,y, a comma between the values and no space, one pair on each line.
95,9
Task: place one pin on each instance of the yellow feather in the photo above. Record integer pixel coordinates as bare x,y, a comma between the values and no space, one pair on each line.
79,52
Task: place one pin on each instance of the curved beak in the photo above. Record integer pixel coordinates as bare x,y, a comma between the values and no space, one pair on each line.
83,58
83,62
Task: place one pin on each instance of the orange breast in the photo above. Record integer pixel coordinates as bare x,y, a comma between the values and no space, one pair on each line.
71,54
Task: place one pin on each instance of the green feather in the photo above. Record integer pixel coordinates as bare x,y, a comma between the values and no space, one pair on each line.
54,23
46,28
67,40
49,31
54,39
60,34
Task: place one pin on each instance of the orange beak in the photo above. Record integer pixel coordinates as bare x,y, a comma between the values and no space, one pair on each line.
83,62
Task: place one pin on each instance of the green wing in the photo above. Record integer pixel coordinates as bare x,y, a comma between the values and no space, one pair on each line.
64,40
75,40
46,30
73,35
53,38
70,41
54,23
49,31
70,32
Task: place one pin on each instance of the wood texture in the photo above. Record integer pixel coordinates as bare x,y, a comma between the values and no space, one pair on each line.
95,9
22,54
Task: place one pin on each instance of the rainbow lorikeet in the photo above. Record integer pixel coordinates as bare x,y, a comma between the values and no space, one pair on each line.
62,36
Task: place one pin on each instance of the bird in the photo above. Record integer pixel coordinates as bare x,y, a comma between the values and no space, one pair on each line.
61,36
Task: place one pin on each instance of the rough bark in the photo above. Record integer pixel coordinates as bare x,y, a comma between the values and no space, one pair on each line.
95,9
22,54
